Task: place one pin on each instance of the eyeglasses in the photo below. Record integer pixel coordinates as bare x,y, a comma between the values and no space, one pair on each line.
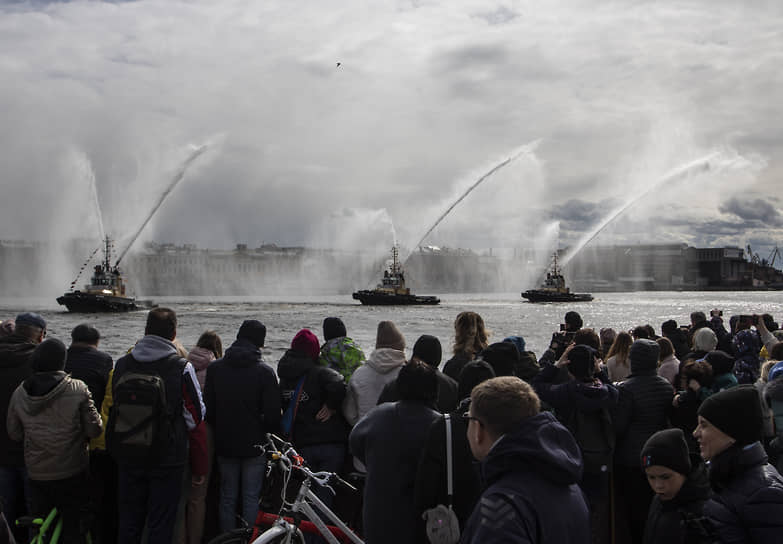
467,417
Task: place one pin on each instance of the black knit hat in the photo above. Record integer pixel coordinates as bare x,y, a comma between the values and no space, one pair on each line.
503,357
735,411
720,361
668,449
334,328
253,330
428,349
48,356
581,362
644,354
472,374
31,319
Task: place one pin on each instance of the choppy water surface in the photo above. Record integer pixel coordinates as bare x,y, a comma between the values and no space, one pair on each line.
505,314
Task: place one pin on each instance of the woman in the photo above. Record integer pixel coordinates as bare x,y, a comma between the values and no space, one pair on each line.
668,364
681,486
470,337
617,361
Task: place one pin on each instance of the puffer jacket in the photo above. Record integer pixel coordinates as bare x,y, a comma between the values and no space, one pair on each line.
643,409
15,367
368,381
55,416
341,354
747,504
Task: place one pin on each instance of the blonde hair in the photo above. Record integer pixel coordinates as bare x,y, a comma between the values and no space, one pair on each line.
470,336
621,348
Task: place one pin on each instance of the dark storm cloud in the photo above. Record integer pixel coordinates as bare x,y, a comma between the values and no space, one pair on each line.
757,210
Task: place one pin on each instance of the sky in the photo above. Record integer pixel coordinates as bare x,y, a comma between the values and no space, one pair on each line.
357,124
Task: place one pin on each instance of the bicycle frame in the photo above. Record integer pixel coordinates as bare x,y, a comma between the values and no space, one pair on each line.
302,505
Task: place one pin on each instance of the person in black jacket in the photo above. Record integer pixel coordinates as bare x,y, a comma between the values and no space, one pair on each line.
319,430
243,404
747,504
470,337
681,487
678,338
427,349
643,409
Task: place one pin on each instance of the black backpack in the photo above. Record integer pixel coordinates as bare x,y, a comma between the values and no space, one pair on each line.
594,433
140,425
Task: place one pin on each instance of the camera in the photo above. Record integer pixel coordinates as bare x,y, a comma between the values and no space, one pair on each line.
562,326
749,319
716,313
560,341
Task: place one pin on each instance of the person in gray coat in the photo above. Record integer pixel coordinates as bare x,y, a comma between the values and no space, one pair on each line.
55,417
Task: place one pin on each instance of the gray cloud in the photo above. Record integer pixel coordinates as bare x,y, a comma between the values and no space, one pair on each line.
757,211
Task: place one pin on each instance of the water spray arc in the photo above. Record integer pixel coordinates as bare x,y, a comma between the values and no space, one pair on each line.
525,149
174,182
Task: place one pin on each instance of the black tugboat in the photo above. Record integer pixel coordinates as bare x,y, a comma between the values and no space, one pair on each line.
104,293
554,289
392,290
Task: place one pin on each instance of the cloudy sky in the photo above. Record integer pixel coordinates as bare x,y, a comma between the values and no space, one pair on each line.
356,123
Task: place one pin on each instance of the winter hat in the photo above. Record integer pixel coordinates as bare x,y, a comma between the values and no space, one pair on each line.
471,375
428,349
735,411
518,341
31,319
85,333
503,357
48,356
581,362
253,330
573,320
668,449
306,342
720,361
644,354
389,336
334,328
704,339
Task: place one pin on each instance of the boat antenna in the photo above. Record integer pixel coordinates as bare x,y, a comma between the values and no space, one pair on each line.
76,279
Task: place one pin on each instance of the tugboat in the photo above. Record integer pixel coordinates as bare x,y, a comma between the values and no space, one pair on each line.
104,293
392,290
554,289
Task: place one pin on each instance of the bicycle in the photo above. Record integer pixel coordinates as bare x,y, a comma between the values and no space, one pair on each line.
41,528
294,518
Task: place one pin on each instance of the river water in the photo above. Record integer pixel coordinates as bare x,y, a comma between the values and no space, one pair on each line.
504,314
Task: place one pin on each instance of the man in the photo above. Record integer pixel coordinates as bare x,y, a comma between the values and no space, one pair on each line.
243,404
15,351
561,338
149,492
55,417
86,363
530,465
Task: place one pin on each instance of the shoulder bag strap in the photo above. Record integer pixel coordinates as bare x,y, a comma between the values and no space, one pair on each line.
449,468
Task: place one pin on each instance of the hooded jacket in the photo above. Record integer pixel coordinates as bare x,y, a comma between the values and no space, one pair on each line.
643,409
55,416
681,519
15,367
341,354
242,399
201,358
321,386
566,397
368,381
531,493
747,504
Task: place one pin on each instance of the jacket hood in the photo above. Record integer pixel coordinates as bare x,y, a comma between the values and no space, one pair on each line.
293,364
732,462
14,345
152,348
695,488
384,360
243,353
540,445
200,358
774,389
42,388
593,397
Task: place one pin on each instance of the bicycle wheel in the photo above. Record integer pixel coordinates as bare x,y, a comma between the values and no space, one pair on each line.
237,536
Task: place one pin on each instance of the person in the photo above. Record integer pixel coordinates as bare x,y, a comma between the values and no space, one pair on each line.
431,479
55,417
697,382
470,337
681,486
530,465
668,364
583,405
643,409
703,341
747,500
722,370
773,402
15,367
746,346
561,339
527,367
7,327
368,381
607,336
149,493
677,336
318,429
389,441
427,349
698,321
209,348
617,363
242,398
339,352
87,363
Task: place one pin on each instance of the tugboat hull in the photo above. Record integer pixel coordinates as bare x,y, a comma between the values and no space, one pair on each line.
535,295
92,303
379,298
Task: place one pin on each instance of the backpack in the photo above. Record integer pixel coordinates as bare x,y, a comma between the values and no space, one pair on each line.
140,425
594,434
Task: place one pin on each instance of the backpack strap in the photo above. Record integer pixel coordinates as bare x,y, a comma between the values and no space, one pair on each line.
449,460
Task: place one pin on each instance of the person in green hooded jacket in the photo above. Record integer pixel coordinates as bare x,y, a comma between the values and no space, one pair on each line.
339,352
